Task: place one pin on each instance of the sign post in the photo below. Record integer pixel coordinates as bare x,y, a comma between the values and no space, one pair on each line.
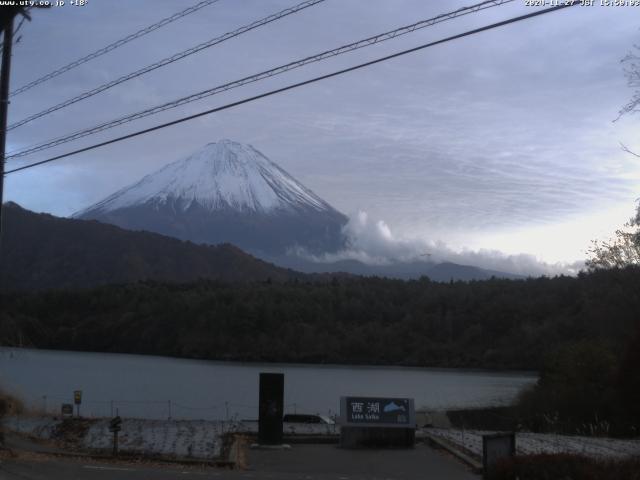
77,399
66,410
377,422
115,427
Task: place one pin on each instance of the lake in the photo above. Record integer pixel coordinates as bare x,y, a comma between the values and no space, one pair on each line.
159,387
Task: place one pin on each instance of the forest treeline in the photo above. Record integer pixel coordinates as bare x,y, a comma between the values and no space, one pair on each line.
512,324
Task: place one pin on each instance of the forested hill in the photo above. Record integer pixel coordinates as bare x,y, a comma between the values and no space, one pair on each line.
491,324
42,251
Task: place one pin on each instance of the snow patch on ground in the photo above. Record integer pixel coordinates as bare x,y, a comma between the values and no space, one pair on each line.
528,443
40,427
180,438
203,439
199,439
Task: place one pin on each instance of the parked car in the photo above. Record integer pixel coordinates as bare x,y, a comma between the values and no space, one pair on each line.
304,418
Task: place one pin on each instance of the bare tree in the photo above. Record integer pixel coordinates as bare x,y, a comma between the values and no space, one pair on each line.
623,250
631,66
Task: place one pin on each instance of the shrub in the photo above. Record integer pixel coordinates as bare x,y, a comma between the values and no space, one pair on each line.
9,404
575,393
565,467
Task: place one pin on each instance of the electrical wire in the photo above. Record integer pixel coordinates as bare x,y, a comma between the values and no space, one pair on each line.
114,45
167,61
299,84
260,76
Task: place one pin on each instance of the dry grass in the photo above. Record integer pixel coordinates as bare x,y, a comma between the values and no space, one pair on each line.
241,460
10,404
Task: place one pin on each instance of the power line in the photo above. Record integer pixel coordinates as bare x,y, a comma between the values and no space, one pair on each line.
300,84
169,60
260,76
114,45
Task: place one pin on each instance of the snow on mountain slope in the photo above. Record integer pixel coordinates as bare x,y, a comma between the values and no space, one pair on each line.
226,192
220,176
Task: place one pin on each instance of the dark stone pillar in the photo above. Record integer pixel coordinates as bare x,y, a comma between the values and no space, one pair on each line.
271,408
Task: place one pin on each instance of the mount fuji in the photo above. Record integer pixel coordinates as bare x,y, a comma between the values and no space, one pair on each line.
226,192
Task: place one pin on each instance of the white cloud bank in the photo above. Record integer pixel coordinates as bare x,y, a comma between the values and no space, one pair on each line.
372,242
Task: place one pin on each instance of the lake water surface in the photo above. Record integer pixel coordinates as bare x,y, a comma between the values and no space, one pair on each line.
159,387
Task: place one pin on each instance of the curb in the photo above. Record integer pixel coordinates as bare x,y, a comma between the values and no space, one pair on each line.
132,456
312,439
439,443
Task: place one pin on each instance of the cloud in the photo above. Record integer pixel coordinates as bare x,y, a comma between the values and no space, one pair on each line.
372,242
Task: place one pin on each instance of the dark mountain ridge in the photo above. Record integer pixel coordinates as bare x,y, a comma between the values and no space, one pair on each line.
438,272
41,251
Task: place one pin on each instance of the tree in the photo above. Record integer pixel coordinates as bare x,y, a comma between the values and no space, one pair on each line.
623,250
574,393
629,381
631,67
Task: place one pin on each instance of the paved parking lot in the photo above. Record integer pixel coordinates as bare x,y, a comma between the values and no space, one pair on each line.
330,462
302,462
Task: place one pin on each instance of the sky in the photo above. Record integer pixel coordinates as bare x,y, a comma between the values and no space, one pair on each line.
501,149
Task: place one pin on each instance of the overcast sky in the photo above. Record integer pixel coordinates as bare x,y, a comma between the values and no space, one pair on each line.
501,141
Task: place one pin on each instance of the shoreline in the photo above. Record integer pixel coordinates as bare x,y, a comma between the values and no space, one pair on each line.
250,363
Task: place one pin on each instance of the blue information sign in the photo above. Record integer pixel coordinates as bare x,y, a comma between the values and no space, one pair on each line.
377,411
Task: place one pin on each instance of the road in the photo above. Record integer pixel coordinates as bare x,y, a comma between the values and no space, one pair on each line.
302,462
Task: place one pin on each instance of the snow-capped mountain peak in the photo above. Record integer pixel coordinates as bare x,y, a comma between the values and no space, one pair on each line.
226,192
225,175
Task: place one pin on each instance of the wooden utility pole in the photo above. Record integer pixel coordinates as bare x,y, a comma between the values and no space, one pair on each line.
5,75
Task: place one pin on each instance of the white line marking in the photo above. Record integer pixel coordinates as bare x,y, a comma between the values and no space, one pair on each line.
95,467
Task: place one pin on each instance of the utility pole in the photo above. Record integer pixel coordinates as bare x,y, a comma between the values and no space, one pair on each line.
7,14
5,75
